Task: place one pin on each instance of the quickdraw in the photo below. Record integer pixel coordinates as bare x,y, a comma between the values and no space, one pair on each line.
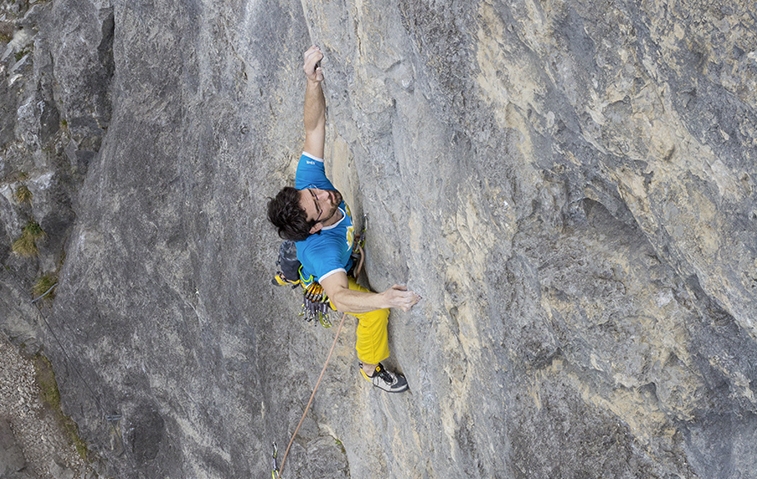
316,304
275,470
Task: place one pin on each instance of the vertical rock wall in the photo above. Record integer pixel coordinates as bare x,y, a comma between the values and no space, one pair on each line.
569,185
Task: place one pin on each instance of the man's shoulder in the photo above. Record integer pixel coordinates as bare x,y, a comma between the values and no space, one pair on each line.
309,159
311,173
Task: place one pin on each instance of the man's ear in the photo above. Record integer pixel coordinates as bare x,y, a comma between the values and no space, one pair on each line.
316,228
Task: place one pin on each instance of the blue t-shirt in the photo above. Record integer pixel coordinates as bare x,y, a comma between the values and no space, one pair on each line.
329,251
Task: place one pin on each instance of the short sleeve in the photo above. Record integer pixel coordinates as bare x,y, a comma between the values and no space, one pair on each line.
311,173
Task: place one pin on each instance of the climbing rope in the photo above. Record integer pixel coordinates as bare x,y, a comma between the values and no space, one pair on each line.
277,471
307,408
111,419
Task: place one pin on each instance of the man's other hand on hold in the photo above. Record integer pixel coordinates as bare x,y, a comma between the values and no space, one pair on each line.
398,296
312,64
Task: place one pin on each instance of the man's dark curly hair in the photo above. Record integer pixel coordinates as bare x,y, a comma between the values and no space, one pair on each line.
286,214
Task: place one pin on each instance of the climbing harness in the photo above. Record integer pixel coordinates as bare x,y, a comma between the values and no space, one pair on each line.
359,256
315,303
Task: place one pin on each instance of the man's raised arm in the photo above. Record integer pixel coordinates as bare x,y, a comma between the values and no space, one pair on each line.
315,104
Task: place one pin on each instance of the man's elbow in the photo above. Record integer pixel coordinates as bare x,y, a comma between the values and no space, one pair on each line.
336,301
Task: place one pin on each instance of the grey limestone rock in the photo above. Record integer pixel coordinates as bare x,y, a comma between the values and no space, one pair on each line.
569,186
12,461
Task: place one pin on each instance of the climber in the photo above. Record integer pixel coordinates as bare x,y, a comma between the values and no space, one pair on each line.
314,215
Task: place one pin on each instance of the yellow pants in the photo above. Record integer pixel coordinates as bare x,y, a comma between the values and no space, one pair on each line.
372,343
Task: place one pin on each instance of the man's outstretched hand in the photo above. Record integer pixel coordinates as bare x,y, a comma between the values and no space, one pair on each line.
398,296
312,65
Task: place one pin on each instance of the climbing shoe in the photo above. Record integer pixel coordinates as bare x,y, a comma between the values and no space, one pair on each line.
386,380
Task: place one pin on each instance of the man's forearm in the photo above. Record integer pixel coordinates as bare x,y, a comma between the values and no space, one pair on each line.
315,104
315,107
351,301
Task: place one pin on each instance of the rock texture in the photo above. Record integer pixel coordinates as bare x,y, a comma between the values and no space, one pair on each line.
32,442
569,185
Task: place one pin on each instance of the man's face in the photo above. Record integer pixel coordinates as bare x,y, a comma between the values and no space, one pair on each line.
320,205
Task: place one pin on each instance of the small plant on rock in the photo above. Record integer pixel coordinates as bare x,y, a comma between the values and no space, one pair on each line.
23,194
45,285
33,230
23,52
26,245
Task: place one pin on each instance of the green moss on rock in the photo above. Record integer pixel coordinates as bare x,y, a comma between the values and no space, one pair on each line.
50,396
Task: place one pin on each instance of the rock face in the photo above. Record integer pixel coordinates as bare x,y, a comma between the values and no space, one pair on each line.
11,456
569,185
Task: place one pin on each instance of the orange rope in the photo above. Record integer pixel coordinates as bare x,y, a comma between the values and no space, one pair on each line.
310,401
318,383
360,263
